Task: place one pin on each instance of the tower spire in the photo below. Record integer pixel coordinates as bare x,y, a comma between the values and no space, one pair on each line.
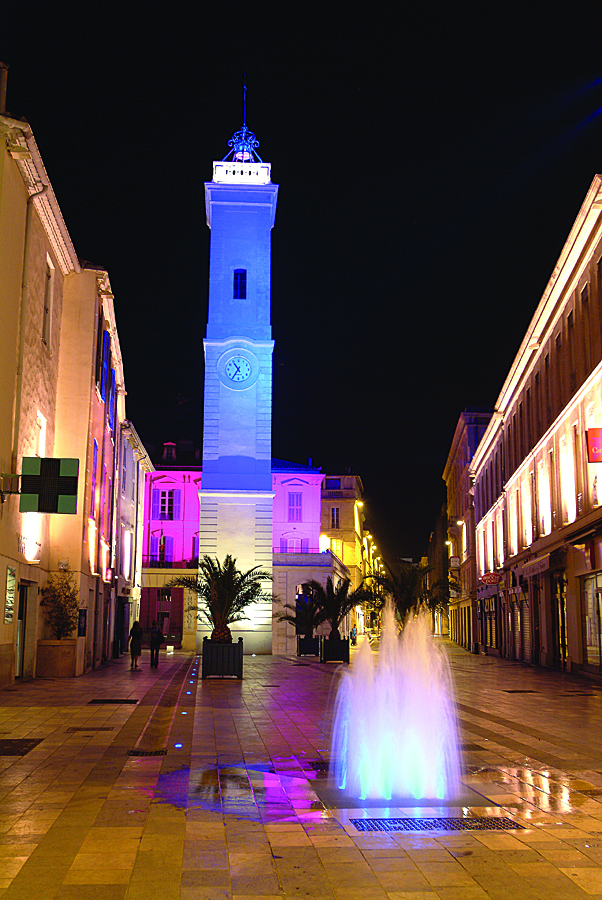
243,144
244,100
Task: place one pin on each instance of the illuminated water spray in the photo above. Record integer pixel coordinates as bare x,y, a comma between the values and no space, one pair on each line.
394,729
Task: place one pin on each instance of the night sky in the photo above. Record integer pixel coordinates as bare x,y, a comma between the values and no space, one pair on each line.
431,162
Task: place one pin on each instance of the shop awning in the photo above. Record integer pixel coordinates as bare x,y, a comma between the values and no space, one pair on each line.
537,565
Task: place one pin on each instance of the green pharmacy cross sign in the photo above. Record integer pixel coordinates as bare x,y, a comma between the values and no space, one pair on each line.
49,485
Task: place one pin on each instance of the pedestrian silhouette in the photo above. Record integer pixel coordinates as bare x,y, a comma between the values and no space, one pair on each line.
135,642
156,639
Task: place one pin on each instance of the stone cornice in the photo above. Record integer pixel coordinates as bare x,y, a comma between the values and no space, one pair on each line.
22,146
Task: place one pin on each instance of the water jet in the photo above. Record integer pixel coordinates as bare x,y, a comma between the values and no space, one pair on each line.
394,737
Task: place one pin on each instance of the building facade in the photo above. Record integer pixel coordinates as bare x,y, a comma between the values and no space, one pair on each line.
61,397
343,525
171,545
536,473
463,620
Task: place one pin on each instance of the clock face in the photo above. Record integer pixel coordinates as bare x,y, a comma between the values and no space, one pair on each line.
238,369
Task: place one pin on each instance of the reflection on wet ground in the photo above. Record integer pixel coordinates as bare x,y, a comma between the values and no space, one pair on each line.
231,808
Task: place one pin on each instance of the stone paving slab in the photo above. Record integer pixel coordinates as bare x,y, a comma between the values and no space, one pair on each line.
212,789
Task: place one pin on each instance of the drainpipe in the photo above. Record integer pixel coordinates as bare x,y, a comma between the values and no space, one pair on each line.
3,81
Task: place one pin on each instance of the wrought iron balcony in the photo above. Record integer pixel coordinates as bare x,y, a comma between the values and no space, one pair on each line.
152,562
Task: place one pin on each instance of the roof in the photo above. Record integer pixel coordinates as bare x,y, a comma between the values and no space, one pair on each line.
284,464
188,456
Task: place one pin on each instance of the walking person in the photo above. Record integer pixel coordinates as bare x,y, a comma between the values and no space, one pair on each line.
135,642
156,639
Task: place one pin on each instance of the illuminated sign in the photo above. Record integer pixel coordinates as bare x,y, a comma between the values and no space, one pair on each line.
594,445
49,485
491,578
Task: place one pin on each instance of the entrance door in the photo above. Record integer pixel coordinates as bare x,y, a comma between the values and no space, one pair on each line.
21,621
591,617
525,630
516,639
559,620
535,601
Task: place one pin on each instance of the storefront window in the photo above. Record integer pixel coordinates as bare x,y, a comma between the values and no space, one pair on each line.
592,601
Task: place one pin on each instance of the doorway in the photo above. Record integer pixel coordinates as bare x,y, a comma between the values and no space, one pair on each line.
559,621
21,625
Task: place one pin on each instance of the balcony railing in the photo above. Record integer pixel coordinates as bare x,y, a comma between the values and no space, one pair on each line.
151,562
338,495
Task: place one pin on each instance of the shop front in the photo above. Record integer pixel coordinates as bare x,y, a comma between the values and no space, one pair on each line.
488,622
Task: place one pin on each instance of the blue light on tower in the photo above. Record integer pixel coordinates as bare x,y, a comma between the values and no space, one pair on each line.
236,487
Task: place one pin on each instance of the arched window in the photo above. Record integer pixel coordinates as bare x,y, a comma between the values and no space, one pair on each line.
240,284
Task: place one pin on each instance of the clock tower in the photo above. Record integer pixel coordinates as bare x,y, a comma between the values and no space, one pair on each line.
236,486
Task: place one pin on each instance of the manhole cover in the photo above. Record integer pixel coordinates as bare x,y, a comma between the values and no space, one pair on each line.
17,746
480,823
147,752
111,700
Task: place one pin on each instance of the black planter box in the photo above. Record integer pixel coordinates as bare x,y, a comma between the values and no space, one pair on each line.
221,659
308,646
334,650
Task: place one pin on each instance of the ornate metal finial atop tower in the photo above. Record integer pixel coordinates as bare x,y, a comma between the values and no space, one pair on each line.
243,143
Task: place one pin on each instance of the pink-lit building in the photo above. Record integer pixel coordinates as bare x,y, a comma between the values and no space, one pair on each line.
171,542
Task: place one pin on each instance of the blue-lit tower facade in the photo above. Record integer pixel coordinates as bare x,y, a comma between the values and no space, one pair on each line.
236,487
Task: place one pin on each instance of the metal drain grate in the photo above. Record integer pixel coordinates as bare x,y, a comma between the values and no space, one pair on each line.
110,700
75,728
520,691
318,765
147,752
476,823
470,747
17,746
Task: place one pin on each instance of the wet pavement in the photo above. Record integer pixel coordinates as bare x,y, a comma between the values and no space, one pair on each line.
155,784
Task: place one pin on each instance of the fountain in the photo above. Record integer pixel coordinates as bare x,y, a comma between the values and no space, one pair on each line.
394,725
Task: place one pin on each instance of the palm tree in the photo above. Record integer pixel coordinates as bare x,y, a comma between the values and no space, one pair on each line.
224,592
407,589
334,602
437,596
306,614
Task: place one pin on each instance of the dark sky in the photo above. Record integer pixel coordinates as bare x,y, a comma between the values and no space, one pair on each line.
431,161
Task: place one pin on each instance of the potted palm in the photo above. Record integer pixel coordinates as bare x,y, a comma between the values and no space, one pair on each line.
56,658
334,602
306,614
224,592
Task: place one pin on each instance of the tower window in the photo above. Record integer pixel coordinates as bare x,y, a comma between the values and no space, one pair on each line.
240,284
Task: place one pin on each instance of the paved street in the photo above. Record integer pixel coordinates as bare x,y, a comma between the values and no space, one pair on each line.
154,784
